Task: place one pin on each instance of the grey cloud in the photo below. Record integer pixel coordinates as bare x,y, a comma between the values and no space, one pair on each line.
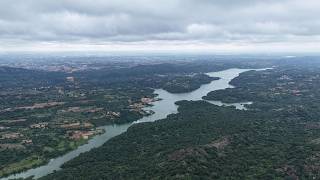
142,20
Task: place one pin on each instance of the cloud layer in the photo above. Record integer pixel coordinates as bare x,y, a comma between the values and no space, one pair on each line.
138,22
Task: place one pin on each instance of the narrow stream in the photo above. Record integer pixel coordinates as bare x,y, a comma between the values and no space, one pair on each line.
161,108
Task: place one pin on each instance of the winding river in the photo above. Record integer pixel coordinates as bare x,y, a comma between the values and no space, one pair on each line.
161,108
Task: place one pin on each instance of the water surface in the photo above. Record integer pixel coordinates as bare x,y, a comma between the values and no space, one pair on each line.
161,108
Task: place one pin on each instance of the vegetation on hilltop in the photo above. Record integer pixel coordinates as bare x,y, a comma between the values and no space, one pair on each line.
46,114
277,138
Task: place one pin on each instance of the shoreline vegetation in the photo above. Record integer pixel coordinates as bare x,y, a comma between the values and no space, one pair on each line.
276,138
45,114
60,112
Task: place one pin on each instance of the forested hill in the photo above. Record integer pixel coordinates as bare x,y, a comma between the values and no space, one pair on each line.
23,78
204,141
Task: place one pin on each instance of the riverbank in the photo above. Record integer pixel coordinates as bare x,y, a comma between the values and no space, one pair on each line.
278,138
161,108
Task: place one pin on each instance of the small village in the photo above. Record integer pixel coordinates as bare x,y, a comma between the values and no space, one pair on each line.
12,137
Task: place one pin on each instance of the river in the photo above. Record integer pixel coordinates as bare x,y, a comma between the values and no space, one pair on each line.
161,108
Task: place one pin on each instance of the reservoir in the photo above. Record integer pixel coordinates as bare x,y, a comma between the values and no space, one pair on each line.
161,108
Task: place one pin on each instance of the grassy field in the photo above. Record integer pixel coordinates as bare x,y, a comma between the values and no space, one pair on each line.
22,165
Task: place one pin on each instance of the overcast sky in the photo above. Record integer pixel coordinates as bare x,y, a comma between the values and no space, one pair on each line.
190,25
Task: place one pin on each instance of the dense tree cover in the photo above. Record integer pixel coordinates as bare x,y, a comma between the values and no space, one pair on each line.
182,84
94,95
290,90
159,74
186,146
277,138
114,88
23,78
